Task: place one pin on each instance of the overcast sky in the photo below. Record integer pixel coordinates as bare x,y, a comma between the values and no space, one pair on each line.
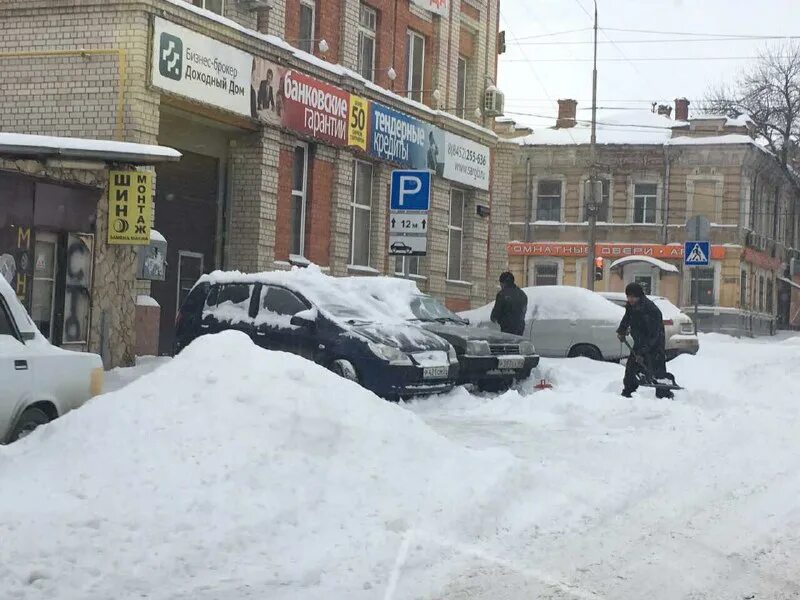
538,68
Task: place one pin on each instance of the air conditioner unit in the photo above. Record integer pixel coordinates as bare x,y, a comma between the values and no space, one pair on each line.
493,102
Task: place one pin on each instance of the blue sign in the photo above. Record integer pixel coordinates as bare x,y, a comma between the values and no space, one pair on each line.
697,254
400,138
410,190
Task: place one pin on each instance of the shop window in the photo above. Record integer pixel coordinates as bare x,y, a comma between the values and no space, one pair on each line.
414,265
361,214
44,284
367,25
646,281
214,6
306,33
461,87
548,201
644,202
455,243
605,202
702,286
545,273
415,61
297,215
743,290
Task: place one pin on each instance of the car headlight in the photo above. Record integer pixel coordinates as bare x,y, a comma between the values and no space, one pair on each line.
390,354
478,348
526,348
452,355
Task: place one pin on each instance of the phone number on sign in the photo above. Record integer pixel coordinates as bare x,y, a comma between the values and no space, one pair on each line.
466,154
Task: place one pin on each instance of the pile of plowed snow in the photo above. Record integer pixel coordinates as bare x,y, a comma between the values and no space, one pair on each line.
230,471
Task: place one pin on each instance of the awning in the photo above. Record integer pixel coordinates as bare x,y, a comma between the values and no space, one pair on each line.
664,266
790,282
45,146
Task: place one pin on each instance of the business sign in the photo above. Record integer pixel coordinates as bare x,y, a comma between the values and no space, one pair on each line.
697,254
400,138
605,250
130,207
409,201
466,161
358,126
439,7
761,259
315,109
200,68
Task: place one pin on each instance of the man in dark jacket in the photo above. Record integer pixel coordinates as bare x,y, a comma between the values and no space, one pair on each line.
646,325
510,306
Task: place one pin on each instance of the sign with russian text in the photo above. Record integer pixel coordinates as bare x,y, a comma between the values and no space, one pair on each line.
466,161
315,109
195,66
438,7
605,250
358,126
401,138
130,207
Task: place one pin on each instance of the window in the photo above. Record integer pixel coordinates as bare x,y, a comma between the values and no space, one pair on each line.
545,274
6,325
415,63
212,5
306,41
743,290
761,293
461,87
361,214
769,303
456,235
548,201
704,200
646,281
605,202
235,293
702,286
367,24
281,301
644,202
297,216
413,265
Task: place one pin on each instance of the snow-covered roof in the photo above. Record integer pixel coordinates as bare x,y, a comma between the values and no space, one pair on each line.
22,144
740,121
333,68
664,266
731,138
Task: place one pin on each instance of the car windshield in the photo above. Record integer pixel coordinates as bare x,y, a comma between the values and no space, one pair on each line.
426,308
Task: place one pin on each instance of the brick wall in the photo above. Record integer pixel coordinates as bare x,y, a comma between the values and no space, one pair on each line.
322,161
283,211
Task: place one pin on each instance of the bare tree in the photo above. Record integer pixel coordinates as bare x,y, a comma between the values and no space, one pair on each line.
769,93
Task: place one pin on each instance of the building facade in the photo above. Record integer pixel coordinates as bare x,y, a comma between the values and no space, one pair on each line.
290,117
656,174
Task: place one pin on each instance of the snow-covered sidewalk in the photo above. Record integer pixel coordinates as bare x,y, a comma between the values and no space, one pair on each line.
231,472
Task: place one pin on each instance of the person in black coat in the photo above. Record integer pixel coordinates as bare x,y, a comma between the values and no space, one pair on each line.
646,325
510,306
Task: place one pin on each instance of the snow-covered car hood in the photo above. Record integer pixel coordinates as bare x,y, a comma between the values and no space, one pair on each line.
406,337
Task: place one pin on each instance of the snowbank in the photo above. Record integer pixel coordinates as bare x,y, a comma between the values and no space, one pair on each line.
230,469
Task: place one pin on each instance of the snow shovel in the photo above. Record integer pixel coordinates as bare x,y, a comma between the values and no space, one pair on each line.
646,378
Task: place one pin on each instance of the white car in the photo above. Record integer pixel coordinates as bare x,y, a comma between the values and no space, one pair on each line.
38,382
678,326
565,321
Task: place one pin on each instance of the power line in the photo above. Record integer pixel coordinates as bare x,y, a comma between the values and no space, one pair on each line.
650,59
667,41
554,33
685,33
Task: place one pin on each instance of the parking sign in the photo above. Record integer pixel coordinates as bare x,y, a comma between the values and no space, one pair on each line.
410,190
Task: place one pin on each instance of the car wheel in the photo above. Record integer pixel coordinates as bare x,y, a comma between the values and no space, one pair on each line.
587,351
345,370
29,420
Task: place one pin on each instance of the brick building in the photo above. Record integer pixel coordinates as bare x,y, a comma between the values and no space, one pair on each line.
657,173
290,117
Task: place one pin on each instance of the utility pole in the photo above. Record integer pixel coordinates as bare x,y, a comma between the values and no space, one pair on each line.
591,199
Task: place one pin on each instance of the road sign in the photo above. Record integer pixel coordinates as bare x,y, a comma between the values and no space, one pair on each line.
698,228
407,245
697,254
410,190
408,222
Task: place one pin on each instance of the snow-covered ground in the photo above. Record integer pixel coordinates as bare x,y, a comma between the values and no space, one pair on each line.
231,472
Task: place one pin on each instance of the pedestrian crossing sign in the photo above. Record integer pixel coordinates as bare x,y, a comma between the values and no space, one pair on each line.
696,254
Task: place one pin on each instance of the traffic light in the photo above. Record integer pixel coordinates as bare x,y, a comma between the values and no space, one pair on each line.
598,268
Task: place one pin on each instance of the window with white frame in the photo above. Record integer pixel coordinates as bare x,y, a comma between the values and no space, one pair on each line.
548,201
645,196
215,6
412,262
297,214
603,209
461,88
455,229
361,214
702,286
415,65
308,9
367,25
545,273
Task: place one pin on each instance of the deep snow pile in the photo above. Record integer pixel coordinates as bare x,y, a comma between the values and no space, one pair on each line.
230,469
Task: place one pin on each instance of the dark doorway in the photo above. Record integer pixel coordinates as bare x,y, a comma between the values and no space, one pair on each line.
186,214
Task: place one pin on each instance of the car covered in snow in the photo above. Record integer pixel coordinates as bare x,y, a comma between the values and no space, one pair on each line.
492,360
38,382
678,326
326,320
565,322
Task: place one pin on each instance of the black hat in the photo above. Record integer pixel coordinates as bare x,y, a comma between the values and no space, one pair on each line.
634,289
507,277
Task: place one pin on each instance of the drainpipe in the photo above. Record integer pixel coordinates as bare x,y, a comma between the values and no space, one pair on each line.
665,206
528,199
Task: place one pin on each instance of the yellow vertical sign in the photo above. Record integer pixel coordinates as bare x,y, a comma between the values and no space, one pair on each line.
357,122
130,207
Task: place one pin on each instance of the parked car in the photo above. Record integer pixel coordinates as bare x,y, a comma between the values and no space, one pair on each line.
566,322
678,326
38,382
489,359
308,313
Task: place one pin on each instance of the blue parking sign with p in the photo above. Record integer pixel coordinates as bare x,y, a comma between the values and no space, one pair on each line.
410,190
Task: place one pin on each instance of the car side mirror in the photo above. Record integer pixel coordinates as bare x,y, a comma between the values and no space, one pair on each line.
305,318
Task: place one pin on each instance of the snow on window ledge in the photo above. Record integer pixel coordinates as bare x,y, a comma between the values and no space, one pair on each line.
411,276
145,300
363,269
459,282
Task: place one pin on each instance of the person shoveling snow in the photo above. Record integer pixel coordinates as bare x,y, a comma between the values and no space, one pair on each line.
646,365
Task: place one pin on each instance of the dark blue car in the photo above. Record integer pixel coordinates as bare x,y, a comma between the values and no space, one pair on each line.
307,315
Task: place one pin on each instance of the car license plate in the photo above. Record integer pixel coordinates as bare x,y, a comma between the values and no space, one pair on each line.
510,362
435,372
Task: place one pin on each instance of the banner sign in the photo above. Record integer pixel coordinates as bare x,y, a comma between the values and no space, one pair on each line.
358,128
314,108
399,138
466,161
438,7
130,207
606,250
266,91
190,64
